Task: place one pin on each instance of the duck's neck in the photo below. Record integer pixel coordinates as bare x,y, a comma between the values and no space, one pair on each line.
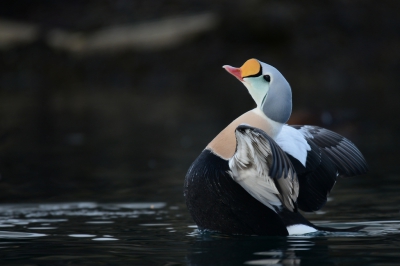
224,144
275,127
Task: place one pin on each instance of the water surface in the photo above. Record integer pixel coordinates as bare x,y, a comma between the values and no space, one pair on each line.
162,233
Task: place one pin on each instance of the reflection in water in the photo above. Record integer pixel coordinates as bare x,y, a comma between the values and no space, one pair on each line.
18,235
81,235
210,249
162,234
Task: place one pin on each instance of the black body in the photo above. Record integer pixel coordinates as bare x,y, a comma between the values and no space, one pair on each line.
217,203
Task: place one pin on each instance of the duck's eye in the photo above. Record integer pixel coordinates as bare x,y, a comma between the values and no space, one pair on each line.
267,78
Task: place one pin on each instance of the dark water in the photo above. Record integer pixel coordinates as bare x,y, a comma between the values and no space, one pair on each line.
162,233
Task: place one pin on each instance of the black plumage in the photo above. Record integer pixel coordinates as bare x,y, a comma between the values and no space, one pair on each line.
341,151
217,203
331,155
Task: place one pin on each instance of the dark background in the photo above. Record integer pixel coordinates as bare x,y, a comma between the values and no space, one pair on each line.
81,121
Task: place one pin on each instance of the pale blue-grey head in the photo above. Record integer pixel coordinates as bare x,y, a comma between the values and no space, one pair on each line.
268,87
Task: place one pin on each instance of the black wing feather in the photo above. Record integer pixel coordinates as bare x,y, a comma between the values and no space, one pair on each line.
344,154
331,155
316,180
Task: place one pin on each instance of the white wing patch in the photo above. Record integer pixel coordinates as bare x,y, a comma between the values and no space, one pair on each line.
293,142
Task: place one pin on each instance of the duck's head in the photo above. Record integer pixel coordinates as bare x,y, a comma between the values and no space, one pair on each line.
267,86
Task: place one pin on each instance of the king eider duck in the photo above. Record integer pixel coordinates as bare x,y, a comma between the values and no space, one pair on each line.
256,174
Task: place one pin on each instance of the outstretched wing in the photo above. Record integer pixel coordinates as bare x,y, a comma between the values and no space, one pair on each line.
261,167
341,151
327,156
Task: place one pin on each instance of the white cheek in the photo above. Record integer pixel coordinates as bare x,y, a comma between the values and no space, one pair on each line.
257,88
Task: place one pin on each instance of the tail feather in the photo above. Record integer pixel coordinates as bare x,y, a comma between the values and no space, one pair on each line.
293,218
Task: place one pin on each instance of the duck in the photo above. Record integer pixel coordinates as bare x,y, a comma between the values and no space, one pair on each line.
257,174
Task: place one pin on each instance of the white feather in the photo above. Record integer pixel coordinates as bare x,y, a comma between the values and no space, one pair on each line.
293,142
300,229
305,132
